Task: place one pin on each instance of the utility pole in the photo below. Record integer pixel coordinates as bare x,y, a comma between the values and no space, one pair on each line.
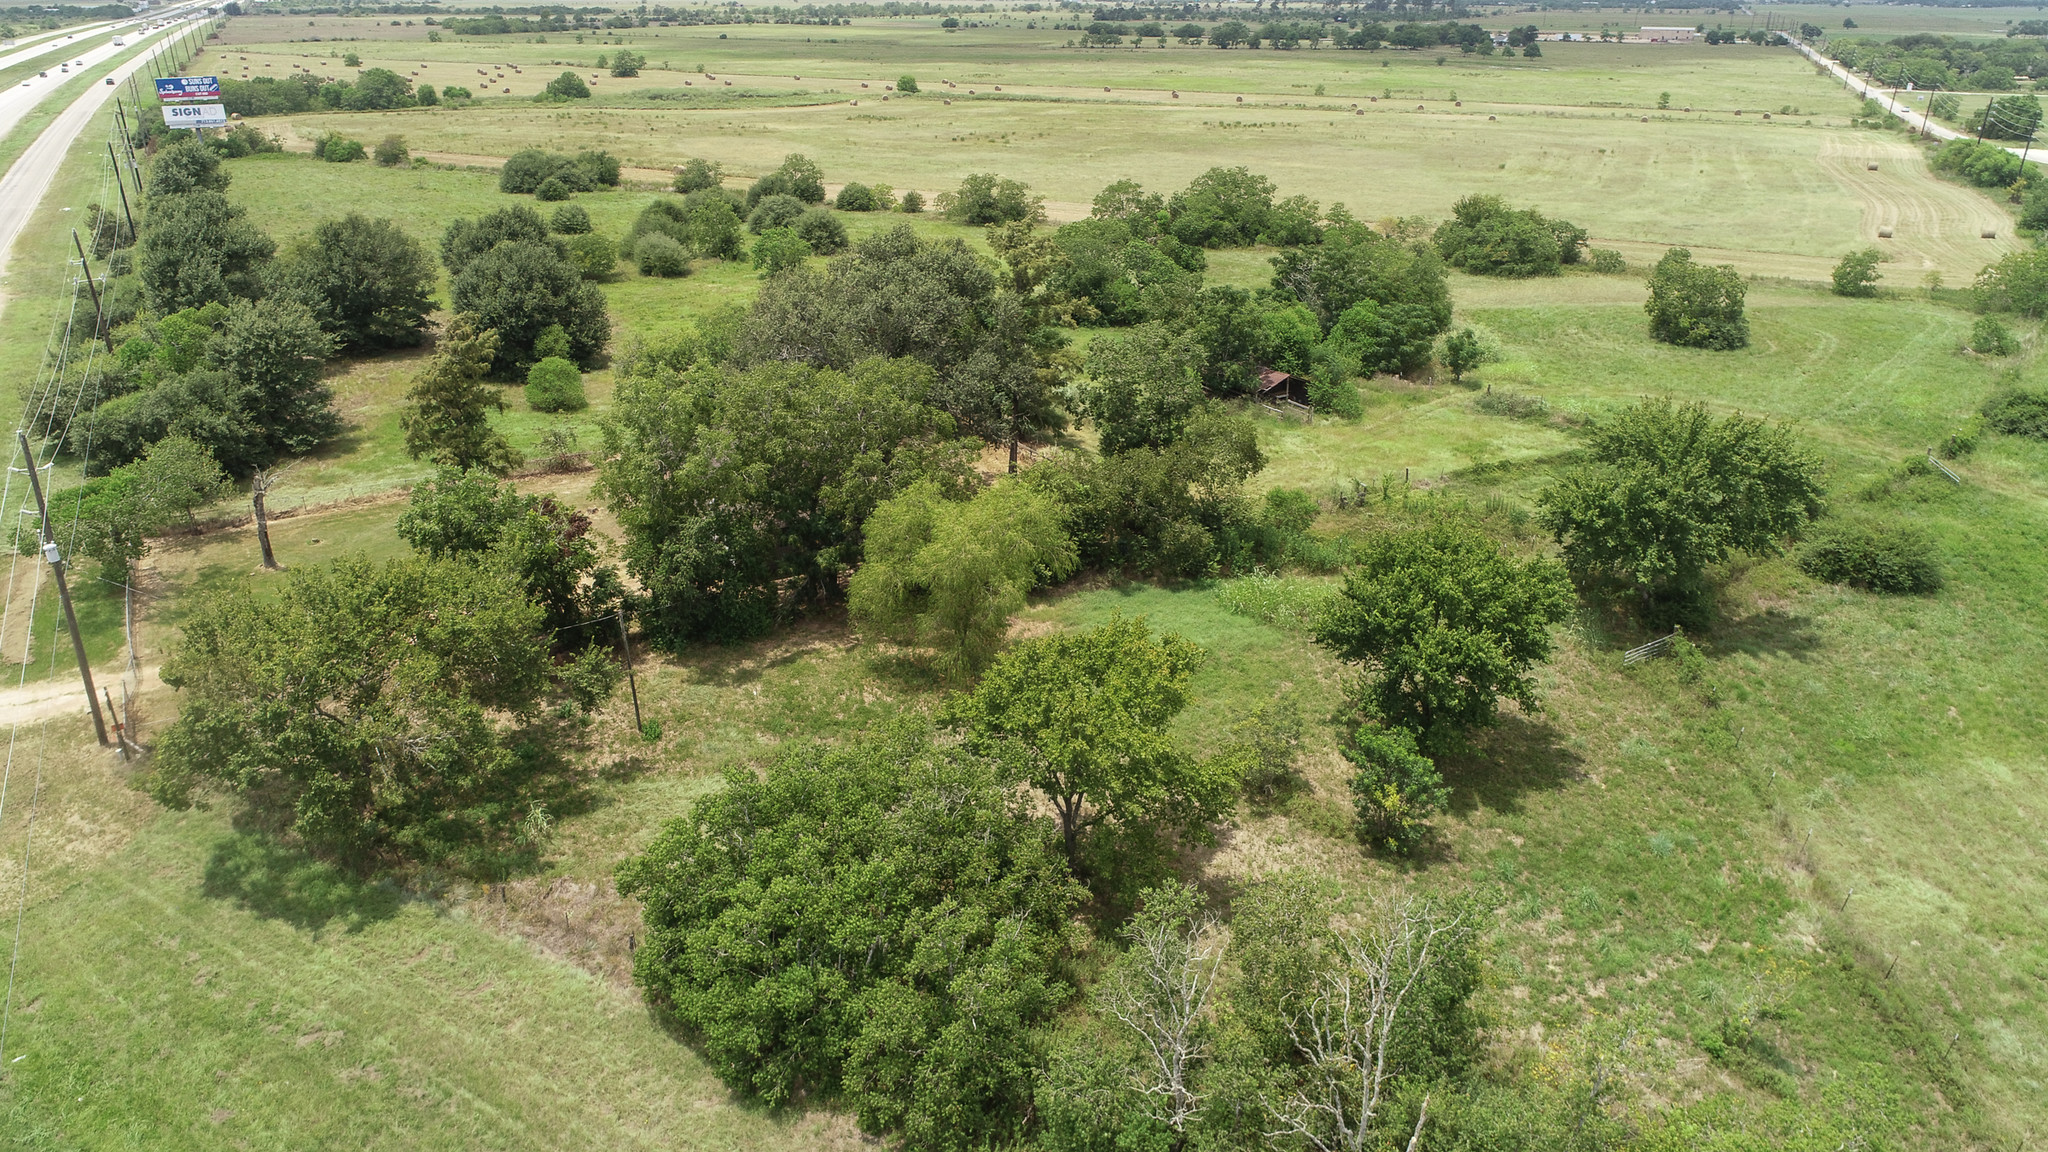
56,559
630,682
125,211
99,314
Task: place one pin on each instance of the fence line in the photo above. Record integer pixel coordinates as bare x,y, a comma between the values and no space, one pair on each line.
1953,478
1642,652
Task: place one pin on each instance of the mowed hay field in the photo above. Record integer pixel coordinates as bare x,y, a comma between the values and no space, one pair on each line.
1842,822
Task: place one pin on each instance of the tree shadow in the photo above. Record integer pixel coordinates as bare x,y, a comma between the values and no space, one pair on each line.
275,882
1498,766
1768,631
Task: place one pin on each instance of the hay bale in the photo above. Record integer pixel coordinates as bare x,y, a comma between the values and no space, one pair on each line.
1989,234
1490,117
1884,233
1870,167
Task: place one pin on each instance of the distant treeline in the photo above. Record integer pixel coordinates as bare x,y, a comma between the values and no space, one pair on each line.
539,17
58,16
1929,61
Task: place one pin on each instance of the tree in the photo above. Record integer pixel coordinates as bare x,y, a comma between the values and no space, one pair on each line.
198,248
176,477
261,483
946,575
370,284
1086,714
730,484
520,288
465,240
568,86
1857,273
185,165
1143,387
1463,352
777,210
2006,117
1405,285
696,174
391,152
819,228
628,63
547,548
897,294
1667,491
272,352
1443,623
570,220
1395,790
799,176
1696,306
1487,237
1230,34
985,198
1345,1025
360,700
2018,282
907,85
1159,990
866,941
855,197
447,411
1223,207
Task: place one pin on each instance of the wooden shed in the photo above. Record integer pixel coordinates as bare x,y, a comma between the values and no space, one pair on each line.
1276,386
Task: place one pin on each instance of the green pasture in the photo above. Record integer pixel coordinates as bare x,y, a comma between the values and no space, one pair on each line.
1841,819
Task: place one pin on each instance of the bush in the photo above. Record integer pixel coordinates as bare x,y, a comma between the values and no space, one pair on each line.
822,231
780,210
596,257
1984,165
1335,397
552,189
984,198
1696,306
391,151
1487,237
569,220
529,168
855,198
2018,412
913,202
779,249
426,96
338,149
554,385
519,289
799,176
1871,556
1606,261
657,254
1395,790
1857,274
696,175
569,86
627,64
1991,338
2017,283
907,85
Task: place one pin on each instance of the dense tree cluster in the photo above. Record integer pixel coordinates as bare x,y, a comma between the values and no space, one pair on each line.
515,278
1486,236
1930,62
1697,305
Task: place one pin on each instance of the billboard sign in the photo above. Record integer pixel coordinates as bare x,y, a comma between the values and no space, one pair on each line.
196,115
188,88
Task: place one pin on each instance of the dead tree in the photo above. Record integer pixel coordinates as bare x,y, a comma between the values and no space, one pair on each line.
260,486
1160,990
1344,1026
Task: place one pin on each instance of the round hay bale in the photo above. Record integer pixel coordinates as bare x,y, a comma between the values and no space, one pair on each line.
1884,233
1738,111
1646,119
1457,103
970,91
856,103
1176,95
1420,108
1688,107
1490,117
999,87
949,103
1870,167
1989,234
863,83
1240,99
1105,87
1767,115
1358,111
689,84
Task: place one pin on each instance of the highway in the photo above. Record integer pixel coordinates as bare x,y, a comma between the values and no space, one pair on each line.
93,50
1916,118
30,176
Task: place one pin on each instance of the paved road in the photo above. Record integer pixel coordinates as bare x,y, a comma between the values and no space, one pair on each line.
1889,97
86,55
23,186
34,46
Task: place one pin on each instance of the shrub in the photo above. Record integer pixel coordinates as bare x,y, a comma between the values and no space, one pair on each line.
1696,306
1984,165
569,86
554,385
1395,790
1513,405
798,176
426,96
778,249
391,151
552,341
855,198
627,64
1335,397
907,85
1857,274
2018,412
913,202
1462,351
596,257
822,231
552,189
454,92
657,254
1606,261
338,149
777,211
1872,556
1991,338
527,169
2017,283
696,175
569,220
1488,237
984,198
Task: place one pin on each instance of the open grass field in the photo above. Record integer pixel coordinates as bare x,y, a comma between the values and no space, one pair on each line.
1841,821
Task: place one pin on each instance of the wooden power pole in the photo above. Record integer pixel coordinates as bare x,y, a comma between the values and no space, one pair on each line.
56,559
